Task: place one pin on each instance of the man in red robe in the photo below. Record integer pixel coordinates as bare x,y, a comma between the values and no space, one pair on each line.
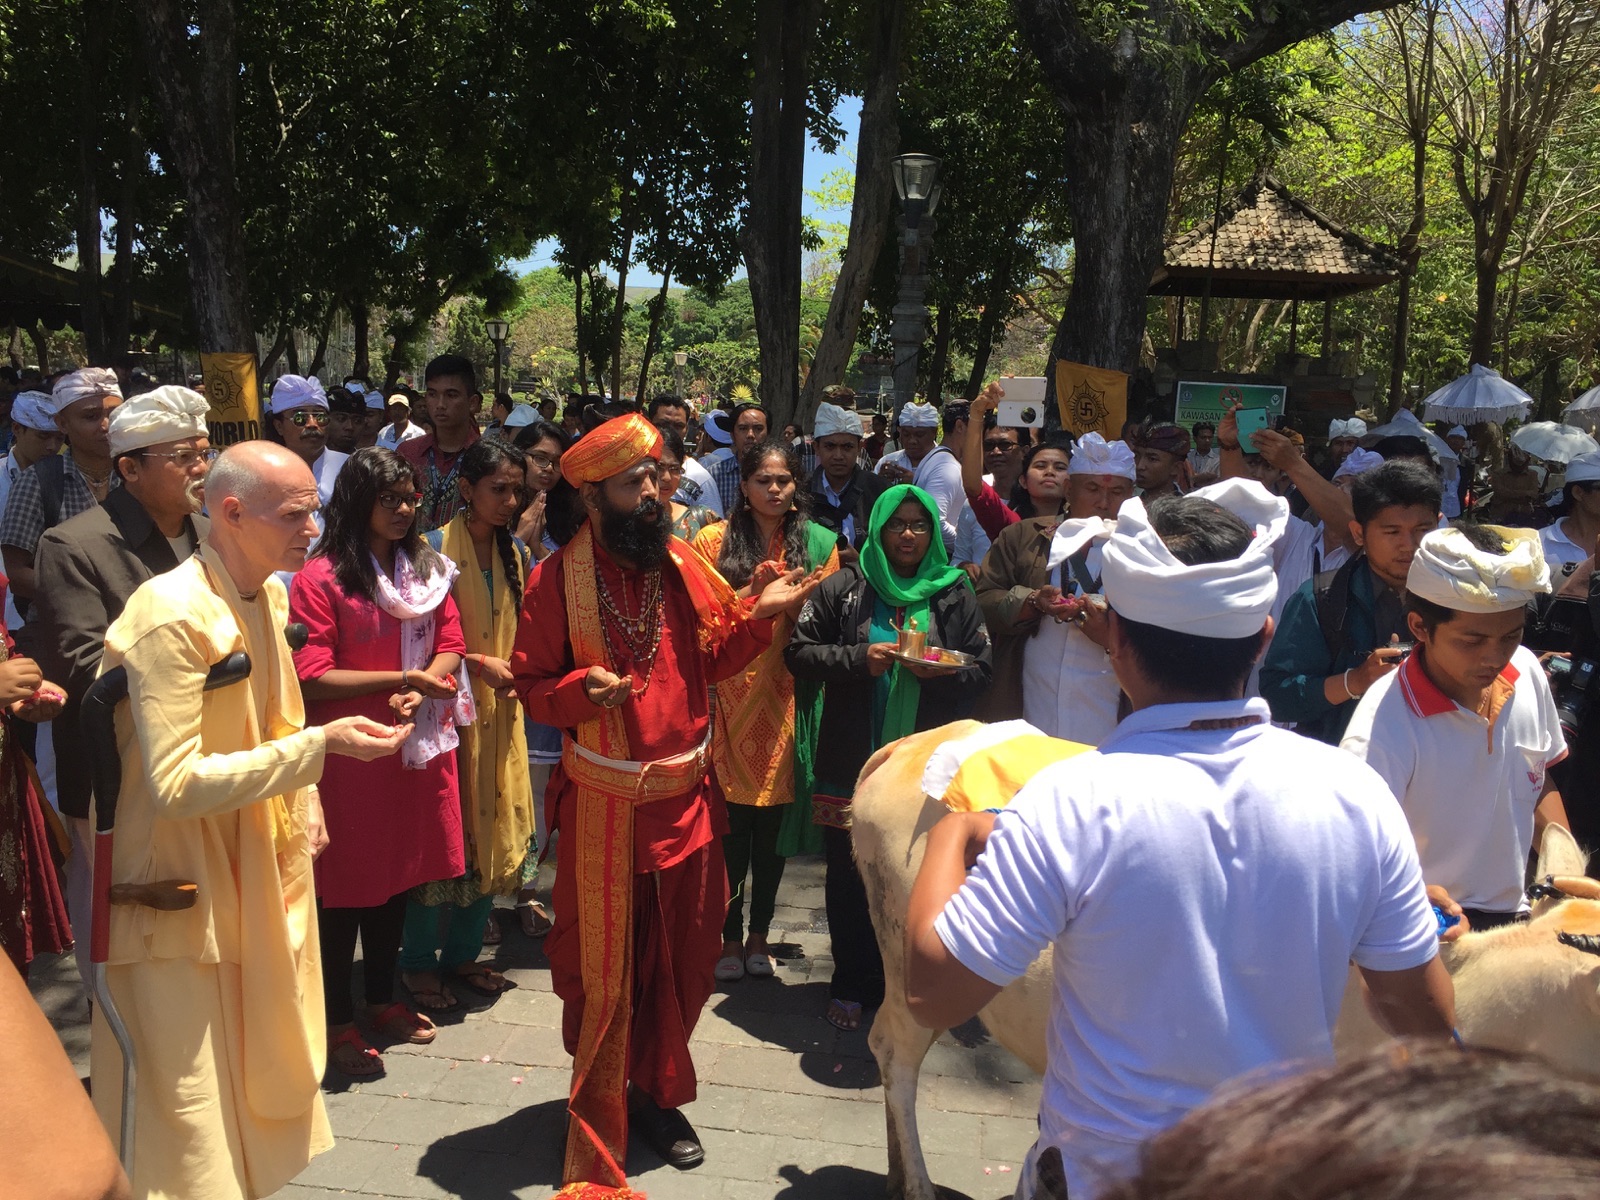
621,632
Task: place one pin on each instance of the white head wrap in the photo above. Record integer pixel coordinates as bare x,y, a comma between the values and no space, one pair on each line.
1093,455
356,388
1583,469
296,391
1357,461
919,416
1233,599
375,400
832,419
35,410
715,423
1449,570
1457,431
520,415
168,414
88,384
1354,427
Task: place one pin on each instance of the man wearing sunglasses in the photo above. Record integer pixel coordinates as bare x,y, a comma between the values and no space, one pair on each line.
299,412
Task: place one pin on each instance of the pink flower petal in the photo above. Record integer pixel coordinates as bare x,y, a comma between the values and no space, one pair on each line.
1004,1170
485,1058
516,1079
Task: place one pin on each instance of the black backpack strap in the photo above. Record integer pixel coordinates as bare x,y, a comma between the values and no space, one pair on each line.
52,488
1331,592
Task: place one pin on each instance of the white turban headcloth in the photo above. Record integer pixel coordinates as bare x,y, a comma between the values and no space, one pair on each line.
1449,570
919,416
88,384
296,391
1144,582
36,410
1354,427
167,414
1357,461
1583,469
1093,455
375,400
832,419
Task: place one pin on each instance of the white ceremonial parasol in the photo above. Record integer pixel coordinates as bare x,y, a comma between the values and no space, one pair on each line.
1584,412
1552,442
1479,395
1405,424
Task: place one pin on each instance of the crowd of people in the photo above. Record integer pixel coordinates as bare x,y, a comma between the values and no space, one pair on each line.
662,643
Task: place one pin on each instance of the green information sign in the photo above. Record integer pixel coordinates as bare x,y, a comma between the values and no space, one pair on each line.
1208,401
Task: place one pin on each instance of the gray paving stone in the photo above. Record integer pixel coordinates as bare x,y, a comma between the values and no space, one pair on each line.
534,1046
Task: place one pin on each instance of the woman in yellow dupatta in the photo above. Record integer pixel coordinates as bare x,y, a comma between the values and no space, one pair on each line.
753,731
497,817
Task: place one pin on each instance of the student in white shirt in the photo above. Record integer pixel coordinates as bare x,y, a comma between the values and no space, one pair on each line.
1465,731
1203,877
1571,537
401,428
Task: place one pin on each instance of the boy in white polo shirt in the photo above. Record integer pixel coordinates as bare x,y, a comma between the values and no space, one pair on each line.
1204,878
1465,732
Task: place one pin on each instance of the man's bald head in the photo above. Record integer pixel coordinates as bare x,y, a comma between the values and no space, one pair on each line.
262,500
246,470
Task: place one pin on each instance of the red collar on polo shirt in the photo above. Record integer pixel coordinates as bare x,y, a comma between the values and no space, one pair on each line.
1423,696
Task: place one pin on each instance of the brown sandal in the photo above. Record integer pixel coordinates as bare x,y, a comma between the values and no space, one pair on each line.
350,1054
534,919
400,1024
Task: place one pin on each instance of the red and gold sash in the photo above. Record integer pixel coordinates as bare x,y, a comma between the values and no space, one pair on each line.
608,788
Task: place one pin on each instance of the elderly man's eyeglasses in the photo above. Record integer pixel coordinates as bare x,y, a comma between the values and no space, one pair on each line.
187,460
896,527
309,416
397,500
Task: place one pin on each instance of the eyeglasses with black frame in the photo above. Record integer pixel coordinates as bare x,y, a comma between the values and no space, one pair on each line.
394,500
895,527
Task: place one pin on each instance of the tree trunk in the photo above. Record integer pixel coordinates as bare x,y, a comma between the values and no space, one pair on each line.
1483,313
320,354
41,347
943,331
292,349
133,167
92,70
619,310
14,347
577,328
989,325
196,78
658,308
360,325
871,210
275,351
770,238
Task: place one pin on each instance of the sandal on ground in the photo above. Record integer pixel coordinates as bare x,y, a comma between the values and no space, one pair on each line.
729,969
482,978
844,1014
349,1054
435,999
400,1024
758,965
491,932
534,918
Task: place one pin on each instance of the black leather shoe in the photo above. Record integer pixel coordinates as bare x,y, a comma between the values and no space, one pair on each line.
668,1132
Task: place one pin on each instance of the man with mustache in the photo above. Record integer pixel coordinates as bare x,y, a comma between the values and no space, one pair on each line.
90,564
622,631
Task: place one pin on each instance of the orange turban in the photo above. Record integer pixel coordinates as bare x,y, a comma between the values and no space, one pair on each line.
611,449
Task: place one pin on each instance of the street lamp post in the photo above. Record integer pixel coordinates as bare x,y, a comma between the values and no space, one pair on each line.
680,360
498,331
916,180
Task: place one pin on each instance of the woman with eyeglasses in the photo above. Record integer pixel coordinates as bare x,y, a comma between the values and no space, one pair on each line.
687,519
845,640
385,642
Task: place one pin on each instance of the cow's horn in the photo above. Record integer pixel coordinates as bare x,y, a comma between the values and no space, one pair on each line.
1589,943
1545,889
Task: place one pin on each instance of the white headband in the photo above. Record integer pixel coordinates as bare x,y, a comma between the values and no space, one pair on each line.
296,391
520,415
715,423
1583,469
1358,461
1457,431
919,416
1232,599
1093,455
35,410
88,384
1449,570
375,400
832,419
167,414
1354,427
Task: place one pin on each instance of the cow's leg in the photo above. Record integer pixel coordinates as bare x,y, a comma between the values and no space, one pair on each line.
900,1044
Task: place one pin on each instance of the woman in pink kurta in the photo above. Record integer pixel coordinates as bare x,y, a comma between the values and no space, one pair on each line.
384,642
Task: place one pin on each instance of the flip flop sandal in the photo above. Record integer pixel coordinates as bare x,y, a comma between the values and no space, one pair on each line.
491,932
432,1000
535,919
399,1024
486,981
844,1014
350,1055
758,966
729,969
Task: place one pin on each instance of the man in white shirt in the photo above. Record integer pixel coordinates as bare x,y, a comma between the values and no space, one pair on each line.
1205,460
400,427
1203,877
1465,731
936,469
34,435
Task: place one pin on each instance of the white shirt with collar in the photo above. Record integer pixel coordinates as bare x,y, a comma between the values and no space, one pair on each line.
1068,687
1468,787
1204,891
388,439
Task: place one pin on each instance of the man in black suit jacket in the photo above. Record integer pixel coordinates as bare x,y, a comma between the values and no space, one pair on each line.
842,490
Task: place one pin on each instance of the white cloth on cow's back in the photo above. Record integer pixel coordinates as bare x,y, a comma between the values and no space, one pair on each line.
1204,891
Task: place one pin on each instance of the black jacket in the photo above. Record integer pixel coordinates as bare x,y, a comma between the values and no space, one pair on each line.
860,494
829,645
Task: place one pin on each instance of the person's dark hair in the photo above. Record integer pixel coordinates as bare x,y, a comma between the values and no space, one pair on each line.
341,400
1022,503
1024,434
1482,538
665,400
597,410
672,442
482,459
346,538
536,431
451,364
1565,506
1402,445
1420,1120
1401,484
745,406
1206,425
953,411
743,548
1195,531
504,400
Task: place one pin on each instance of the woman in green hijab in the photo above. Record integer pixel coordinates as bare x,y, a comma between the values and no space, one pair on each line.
845,641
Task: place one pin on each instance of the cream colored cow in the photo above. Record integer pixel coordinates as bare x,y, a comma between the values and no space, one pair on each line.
1519,988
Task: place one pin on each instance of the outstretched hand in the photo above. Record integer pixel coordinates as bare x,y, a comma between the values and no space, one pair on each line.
785,594
606,690
364,739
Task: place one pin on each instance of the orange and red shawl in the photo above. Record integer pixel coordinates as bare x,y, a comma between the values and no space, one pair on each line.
610,449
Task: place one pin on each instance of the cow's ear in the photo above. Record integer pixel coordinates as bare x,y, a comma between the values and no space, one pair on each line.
1559,854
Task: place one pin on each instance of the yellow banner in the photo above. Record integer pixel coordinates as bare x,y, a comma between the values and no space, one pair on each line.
1091,399
235,403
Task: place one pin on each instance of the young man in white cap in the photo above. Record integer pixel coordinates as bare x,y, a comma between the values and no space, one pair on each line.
748,425
842,491
1343,437
377,413
1572,536
88,567
400,427
699,484
936,469
34,435
1204,878
1465,731
299,413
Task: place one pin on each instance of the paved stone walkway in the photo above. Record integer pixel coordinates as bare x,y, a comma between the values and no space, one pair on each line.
789,1106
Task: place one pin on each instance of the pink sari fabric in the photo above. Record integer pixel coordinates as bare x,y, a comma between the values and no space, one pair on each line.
411,599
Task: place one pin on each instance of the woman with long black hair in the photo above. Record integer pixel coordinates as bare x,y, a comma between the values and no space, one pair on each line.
754,738
385,643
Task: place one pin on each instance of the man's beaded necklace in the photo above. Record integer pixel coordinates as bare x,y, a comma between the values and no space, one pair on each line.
639,635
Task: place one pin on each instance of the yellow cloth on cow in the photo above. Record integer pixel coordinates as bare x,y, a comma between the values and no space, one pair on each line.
496,794
224,1000
983,771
